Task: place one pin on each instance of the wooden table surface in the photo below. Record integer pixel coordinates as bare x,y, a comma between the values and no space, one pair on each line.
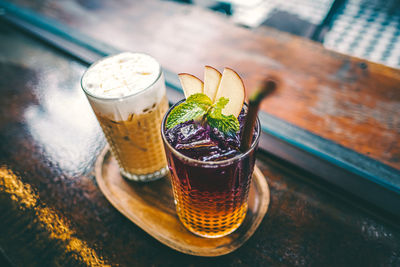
51,210
353,102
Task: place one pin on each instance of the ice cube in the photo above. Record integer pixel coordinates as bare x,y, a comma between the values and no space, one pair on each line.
192,132
206,143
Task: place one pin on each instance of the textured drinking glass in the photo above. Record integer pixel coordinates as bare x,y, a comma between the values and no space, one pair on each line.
210,197
131,125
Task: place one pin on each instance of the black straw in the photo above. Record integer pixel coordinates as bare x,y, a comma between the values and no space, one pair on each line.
266,88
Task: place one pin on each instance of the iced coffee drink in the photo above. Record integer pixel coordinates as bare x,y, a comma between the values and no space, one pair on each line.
127,94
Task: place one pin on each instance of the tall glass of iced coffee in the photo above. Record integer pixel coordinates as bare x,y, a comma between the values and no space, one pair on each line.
127,94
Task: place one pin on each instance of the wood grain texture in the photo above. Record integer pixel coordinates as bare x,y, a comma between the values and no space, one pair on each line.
350,101
151,207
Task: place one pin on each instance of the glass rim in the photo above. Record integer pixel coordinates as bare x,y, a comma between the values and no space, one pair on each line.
211,163
121,97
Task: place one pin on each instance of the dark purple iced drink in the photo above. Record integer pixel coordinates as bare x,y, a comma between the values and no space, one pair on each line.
210,175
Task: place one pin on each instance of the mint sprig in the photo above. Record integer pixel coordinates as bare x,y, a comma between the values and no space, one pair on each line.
226,124
194,107
200,106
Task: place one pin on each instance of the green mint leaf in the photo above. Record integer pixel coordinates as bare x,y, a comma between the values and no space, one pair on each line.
194,107
200,99
221,103
200,105
229,125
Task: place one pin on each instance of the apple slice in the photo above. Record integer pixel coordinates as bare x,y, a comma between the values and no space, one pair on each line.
231,87
212,77
190,84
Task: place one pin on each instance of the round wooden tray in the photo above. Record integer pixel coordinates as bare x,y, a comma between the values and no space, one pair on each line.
151,207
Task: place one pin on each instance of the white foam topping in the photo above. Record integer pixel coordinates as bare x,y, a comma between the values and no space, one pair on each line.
121,75
123,84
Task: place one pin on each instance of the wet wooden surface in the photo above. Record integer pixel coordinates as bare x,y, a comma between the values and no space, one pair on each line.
352,102
52,212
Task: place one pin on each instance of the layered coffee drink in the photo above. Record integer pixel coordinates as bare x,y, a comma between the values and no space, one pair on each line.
127,94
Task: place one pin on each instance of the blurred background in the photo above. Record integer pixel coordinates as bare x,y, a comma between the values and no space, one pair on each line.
368,29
